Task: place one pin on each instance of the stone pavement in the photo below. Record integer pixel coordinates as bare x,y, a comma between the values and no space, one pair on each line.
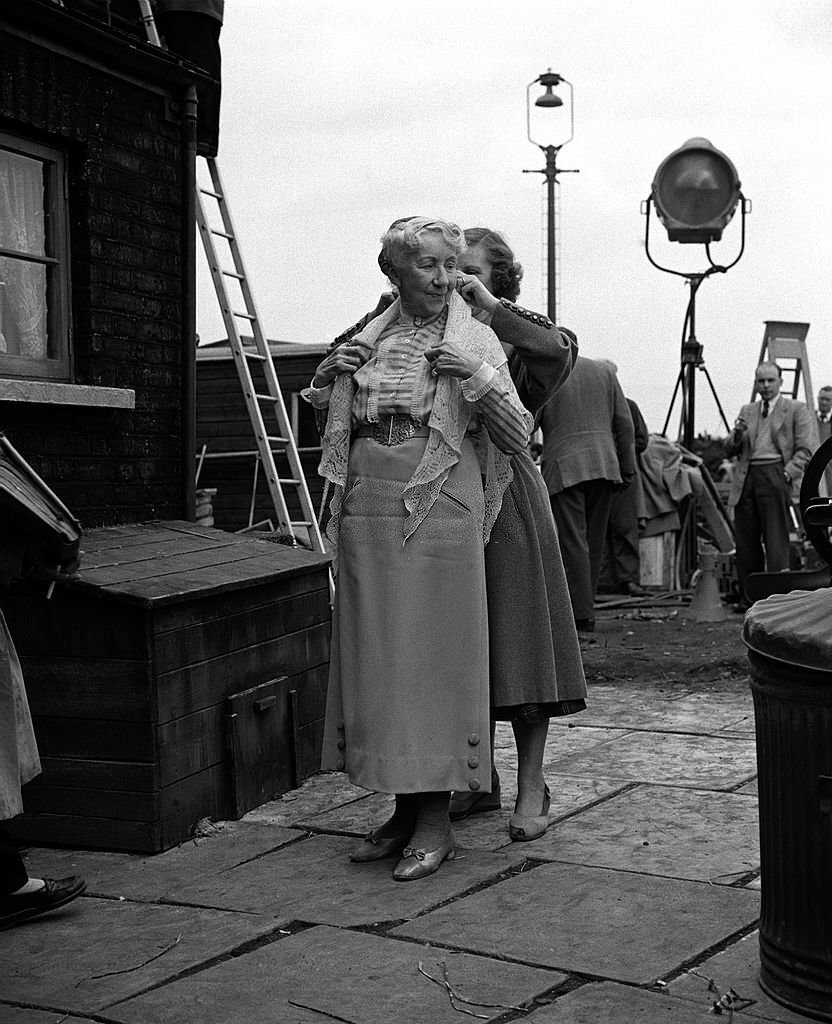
639,904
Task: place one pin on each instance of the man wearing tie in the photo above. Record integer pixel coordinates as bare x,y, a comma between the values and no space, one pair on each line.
774,439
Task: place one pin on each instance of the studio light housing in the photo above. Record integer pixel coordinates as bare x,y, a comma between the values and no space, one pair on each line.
696,191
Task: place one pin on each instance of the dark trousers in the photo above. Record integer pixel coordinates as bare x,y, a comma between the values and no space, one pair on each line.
624,563
581,514
196,37
12,869
761,522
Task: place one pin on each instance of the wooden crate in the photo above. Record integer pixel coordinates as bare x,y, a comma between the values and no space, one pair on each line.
657,561
133,668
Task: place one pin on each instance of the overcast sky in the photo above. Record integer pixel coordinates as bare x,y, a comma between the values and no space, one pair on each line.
340,116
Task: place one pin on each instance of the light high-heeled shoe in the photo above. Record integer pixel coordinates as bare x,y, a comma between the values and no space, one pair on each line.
420,863
523,829
376,847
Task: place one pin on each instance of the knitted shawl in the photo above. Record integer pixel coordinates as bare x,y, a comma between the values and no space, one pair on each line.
449,419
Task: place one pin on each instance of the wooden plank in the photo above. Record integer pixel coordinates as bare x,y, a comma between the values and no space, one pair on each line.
122,776
73,624
191,744
96,739
161,548
311,687
192,644
42,798
87,833
198,686
89,687
159,565
213,609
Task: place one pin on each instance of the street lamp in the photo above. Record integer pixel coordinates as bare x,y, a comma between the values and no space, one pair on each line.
550,100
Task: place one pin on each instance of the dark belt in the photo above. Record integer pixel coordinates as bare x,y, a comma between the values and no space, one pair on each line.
392,430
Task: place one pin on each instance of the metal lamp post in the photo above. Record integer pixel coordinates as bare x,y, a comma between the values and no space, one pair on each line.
550,100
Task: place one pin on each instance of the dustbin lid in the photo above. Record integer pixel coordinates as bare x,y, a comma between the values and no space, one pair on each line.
795,628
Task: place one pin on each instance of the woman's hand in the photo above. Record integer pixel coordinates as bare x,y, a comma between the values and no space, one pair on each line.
475,293
453,361
344,359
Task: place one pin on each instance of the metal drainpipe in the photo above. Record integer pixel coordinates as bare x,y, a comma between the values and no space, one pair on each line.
189,108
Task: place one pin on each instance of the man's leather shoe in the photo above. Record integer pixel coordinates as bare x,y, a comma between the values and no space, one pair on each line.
56,892
635,590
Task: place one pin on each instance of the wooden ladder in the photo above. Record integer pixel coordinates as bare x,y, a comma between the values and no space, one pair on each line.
784,343
266,409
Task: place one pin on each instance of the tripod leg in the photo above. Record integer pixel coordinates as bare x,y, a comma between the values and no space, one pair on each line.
673,400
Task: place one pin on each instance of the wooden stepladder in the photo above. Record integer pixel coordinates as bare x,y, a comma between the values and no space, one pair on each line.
273,438
784,343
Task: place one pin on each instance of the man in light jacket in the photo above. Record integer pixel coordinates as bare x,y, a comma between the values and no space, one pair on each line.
774,438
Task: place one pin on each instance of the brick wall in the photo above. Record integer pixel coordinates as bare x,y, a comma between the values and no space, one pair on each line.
123,146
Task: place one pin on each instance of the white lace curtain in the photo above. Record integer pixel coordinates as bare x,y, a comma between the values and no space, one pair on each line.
22,284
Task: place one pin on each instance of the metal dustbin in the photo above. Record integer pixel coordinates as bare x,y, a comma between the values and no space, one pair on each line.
789,640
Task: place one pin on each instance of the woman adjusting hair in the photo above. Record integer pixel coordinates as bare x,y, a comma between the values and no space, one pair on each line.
536,670
422,418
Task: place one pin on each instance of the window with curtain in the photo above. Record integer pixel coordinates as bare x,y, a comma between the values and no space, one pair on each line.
34,264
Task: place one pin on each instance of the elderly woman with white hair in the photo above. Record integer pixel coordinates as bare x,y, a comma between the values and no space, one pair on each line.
422,418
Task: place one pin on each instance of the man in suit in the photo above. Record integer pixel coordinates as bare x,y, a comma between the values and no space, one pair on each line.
626,510
588,453
774,439
824,427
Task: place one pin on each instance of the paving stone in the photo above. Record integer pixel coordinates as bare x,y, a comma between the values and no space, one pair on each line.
21,1015
702,762
653,706
97,952
160,876
326,789
661,830
715,712
347,976
570,736
737,968
610,924
608,1003
314,881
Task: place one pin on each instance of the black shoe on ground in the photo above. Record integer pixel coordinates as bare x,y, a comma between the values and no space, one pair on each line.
634,590
585,625
55,893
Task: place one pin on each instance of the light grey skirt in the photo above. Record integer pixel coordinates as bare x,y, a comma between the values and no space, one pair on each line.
407,704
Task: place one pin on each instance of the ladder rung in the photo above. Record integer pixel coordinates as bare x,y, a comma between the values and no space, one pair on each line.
248,354
300,522
222,234
211,192
288,480
266,398
233,273
244,316
277,440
